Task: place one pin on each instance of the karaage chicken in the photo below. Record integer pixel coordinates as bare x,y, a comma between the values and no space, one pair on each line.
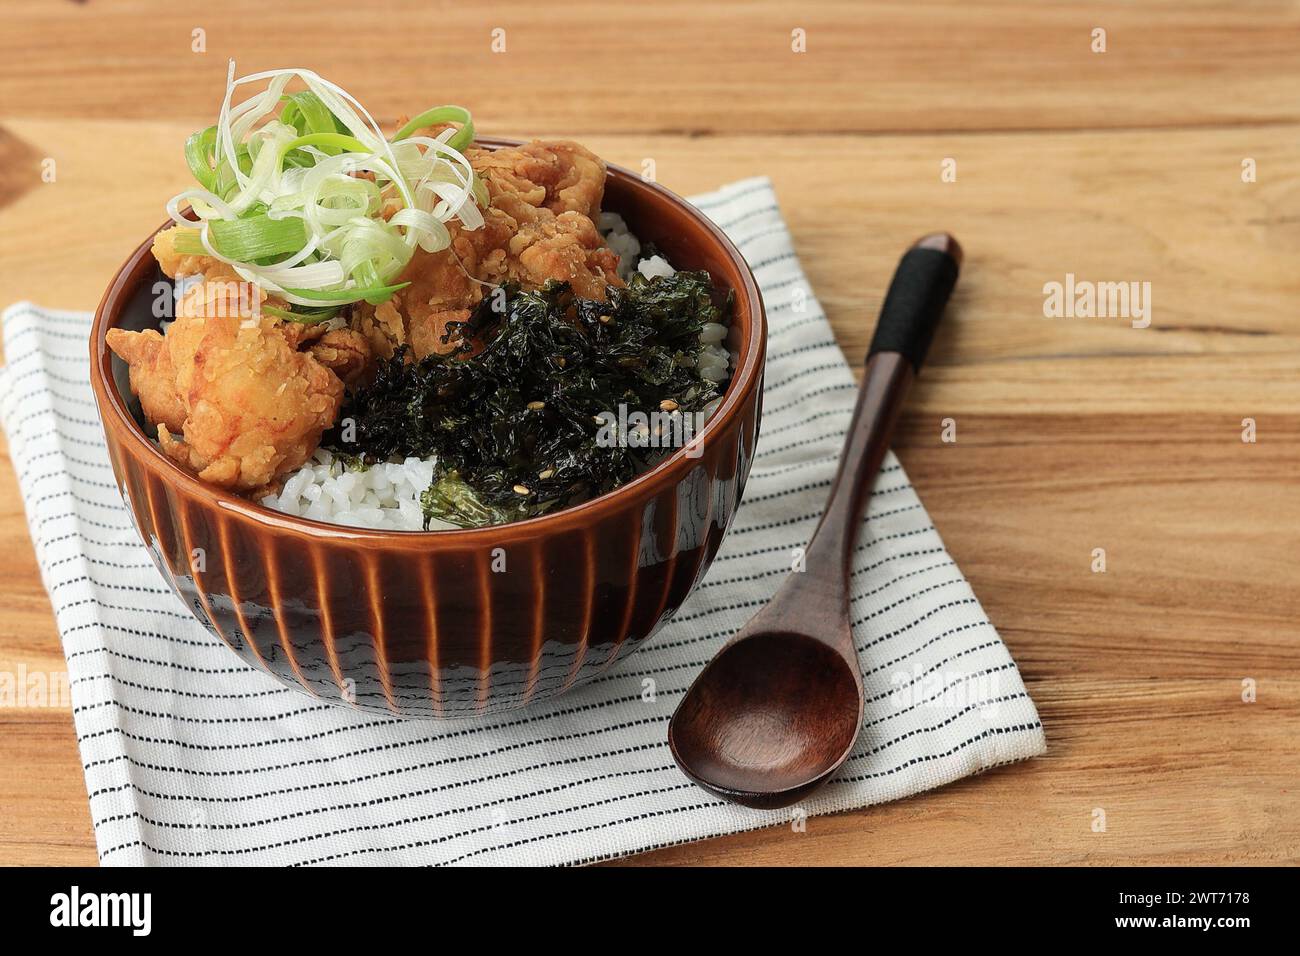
539,226
233,397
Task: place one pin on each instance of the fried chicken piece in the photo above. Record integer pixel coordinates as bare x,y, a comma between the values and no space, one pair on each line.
567,247
344,352
152,374
153,377
557,176
254,405
382,327
441,290
539,227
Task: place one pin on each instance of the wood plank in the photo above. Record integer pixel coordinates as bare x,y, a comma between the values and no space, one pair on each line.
1143,754
1200,579
46,818
679,65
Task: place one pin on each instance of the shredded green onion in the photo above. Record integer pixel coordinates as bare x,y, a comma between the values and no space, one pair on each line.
443,114
337,141
307,114
374,294
198,154
283,201
254,239
187,242
302,314
258,237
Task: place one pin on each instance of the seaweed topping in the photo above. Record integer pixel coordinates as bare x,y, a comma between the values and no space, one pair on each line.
568,399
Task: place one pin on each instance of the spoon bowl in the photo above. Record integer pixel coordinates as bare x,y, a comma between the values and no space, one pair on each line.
768,719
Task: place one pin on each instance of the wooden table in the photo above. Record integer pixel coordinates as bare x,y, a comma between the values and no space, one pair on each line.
1072,434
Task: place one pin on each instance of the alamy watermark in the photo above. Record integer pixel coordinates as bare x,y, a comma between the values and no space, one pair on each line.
956,690
76,908
24,688
218,299
670,427
1082,299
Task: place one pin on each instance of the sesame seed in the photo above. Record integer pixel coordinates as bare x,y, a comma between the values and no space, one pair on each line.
668,405
546,473
605,319
534,406
522,490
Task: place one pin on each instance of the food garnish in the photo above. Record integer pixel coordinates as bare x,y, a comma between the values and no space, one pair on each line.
517,428
316,205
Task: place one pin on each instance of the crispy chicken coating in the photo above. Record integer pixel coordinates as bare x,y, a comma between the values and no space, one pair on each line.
345,352
567,247
539,227
153,377
557,176
232,396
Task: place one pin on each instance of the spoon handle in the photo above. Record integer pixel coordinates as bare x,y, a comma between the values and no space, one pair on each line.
917,295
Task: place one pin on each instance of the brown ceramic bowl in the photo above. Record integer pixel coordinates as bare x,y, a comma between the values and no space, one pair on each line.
419,624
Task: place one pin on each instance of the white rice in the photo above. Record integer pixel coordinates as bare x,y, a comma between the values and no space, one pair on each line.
387,495
617,237
715,360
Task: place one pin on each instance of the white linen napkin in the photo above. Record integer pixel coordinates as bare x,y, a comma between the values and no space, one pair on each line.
192,757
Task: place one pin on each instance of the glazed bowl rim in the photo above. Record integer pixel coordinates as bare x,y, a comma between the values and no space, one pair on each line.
671,470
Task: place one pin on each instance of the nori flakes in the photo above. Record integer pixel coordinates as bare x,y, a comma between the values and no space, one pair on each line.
515,427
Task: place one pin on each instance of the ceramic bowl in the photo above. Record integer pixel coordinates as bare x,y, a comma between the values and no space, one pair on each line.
448,623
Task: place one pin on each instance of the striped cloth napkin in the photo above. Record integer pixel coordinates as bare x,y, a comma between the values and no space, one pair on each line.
192,757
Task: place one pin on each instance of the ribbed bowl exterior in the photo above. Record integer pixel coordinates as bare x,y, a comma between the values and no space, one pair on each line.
452,631
449,624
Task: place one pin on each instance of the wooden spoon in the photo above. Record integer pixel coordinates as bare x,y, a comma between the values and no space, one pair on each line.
776,712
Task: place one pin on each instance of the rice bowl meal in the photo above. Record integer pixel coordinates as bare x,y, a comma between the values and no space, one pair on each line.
411,331
413,420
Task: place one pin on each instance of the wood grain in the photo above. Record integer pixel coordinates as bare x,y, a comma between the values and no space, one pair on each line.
1139,754
1072,434
679,65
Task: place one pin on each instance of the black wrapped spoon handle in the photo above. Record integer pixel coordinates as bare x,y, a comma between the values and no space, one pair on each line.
917,295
